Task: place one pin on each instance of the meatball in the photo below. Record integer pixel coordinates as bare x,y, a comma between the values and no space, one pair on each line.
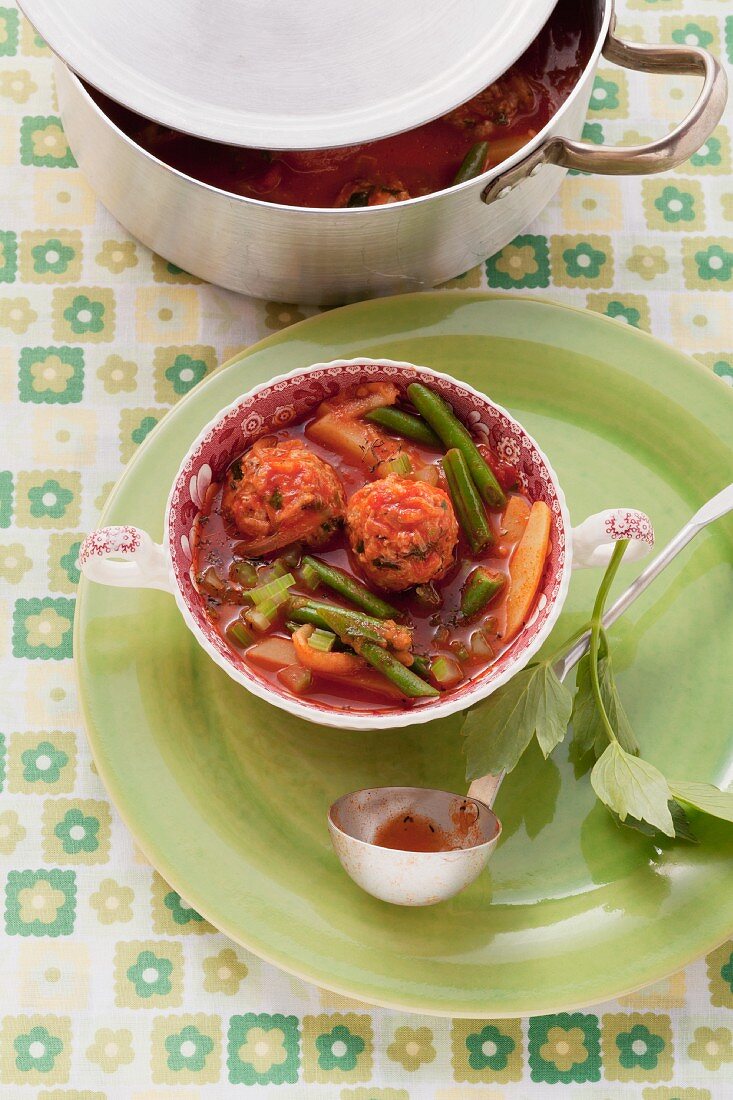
278,493
403,532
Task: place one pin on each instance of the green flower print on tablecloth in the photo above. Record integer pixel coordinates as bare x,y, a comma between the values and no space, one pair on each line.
8,257
521,264
412,1047
51,256
40,903
31,44
713,156
84,314
48,498
580,261
63,561
42,628
224,973
6,497
14,563
178,369
647,261
118,375
117,256
337,1048
713,1047
263,1049
186,1049
76,831
37,1050
689,32
41,765
673,206
610,97
11,832
486,1052
112,902
564,1048
51,375
708,263
16,314
280,315
720,975
637,1047
43,143
172,915
111,1049
721,363
8,32
631,309
148,974
135,426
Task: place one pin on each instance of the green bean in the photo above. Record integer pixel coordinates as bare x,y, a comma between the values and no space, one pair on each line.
421,665
479,590
467,502
473,162
406,680
321,614
404,424
352,589
445,423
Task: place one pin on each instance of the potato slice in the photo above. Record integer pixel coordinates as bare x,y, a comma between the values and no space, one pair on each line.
514,520
526,567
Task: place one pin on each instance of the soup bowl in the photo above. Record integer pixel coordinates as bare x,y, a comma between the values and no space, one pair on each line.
128,557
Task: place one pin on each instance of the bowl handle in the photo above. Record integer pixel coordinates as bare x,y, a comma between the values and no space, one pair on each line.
143,564
635,160
593,540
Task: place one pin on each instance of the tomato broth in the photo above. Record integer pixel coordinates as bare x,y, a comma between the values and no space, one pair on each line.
506,115
436,629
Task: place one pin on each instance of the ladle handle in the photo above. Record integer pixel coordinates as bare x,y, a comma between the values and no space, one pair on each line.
486,788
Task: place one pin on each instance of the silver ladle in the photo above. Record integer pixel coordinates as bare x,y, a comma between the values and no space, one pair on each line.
469,822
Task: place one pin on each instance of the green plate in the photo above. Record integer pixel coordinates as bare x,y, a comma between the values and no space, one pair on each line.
228,796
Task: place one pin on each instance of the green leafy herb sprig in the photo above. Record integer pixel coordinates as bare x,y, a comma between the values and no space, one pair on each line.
536,703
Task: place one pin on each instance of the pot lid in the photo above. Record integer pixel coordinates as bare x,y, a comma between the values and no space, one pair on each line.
278,74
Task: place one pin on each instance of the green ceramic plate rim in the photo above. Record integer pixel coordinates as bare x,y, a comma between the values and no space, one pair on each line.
147,846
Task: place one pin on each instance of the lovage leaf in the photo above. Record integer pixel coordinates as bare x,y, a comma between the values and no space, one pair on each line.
588,729
632,788
704,796
682,827
499,729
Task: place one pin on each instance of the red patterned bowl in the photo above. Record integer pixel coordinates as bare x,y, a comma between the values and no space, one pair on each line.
128,557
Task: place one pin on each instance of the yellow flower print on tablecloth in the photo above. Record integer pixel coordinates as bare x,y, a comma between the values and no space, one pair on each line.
720,975
279,315
40,901
368,1093
63,198
50,698
51,376
11,832
713,1047
17,315
564,1049
51,255
14,563
36,1049
164,271
591,204
412,1047
111,1049
469,280
224,973
668,993
46,628
54,975
43,143
31,43
17,85
69,441
112,902
700,322
169,314
648,261
118,375
42,762
117,256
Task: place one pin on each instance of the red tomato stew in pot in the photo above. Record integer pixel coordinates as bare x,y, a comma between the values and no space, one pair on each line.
375,555
464,143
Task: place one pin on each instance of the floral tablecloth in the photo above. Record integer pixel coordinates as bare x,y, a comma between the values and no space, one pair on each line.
110,984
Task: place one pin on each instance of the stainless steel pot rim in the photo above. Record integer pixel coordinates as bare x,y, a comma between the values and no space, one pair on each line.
371,211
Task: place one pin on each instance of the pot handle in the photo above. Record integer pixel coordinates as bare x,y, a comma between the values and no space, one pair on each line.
635,160
593,539
144,563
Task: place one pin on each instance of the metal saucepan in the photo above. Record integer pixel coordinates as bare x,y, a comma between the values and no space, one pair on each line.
331,256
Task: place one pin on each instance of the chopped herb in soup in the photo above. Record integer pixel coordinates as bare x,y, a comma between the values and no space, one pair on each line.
374,555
